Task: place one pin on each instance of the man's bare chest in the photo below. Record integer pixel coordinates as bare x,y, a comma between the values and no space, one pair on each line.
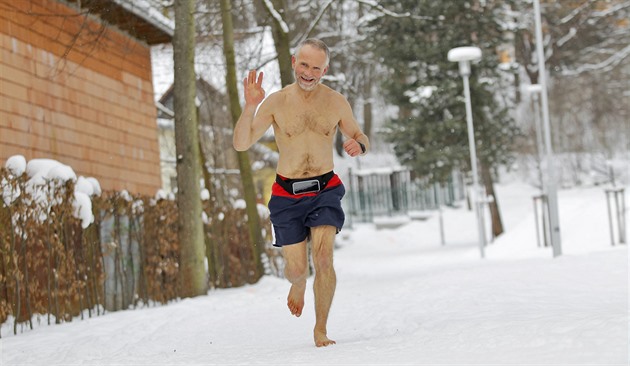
306,123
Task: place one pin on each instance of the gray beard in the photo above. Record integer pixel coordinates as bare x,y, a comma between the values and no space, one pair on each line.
304,87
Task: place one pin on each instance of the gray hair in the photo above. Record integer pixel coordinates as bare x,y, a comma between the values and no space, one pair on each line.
317,43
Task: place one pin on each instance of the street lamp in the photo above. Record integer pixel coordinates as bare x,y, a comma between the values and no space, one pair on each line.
552,194
534,91
464,55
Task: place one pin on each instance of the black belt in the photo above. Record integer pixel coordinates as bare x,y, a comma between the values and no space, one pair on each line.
306,185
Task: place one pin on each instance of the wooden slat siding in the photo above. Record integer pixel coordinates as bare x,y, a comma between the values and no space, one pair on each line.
91,108
61,31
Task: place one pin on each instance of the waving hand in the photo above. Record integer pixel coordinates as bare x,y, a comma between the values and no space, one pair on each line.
254,93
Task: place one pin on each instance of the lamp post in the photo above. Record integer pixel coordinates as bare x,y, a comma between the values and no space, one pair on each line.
552,195
534,91
464,55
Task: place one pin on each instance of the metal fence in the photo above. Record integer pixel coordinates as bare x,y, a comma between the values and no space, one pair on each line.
387,192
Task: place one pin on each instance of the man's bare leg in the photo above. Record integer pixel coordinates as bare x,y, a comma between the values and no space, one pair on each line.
323,238
296,271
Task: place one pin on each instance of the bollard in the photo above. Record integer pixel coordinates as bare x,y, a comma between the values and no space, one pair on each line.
541,200
616,214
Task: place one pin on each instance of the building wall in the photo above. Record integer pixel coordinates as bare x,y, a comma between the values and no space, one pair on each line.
76,91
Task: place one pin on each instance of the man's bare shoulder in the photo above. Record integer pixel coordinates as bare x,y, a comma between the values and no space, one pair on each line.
278,96
335,97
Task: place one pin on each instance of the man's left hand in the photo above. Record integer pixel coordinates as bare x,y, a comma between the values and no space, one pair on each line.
352,147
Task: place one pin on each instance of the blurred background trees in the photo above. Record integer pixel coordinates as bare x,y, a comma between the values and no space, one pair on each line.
389,60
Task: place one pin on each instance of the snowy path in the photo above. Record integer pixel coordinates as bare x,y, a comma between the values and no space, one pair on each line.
401,299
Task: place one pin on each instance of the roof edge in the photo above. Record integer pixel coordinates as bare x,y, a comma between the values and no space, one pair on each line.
150,14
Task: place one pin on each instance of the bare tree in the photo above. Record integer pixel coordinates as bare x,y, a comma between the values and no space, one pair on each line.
280,31
253,220
586,55
190,227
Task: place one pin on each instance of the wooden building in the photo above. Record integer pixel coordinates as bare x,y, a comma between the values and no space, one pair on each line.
76,86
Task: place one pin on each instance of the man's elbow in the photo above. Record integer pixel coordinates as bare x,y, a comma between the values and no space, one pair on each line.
239,146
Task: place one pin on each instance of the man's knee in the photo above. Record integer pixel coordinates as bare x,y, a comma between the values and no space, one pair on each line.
324,242
323,259
294,271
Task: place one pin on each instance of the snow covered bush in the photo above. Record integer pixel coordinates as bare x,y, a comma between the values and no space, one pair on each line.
68,249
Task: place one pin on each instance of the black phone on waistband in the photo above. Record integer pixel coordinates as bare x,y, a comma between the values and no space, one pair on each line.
306,186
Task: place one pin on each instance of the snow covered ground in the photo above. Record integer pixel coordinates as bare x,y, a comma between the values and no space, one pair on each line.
402,298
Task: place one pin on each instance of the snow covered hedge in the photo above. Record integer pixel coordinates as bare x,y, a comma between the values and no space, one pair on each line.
68,249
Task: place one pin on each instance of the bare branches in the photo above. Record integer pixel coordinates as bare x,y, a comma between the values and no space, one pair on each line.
378,7
603,66
277,17
82,38
315,21
575,12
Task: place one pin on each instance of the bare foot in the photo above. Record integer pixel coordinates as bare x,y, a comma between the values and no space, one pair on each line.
295,300
321,340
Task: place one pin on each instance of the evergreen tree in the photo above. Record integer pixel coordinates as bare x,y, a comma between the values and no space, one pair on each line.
430,134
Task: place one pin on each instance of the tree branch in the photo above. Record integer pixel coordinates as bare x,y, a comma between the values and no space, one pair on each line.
605,65
310,28
382,9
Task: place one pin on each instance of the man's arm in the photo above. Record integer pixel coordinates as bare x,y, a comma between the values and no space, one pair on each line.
251,125
357,143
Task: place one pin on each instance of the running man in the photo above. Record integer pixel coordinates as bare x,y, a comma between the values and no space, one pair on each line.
306,197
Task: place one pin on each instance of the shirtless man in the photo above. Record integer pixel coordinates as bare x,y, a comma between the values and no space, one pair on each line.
306,197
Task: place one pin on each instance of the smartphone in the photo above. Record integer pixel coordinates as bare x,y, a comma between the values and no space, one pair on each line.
307,186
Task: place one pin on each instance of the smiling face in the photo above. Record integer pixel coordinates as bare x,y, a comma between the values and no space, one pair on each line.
309,65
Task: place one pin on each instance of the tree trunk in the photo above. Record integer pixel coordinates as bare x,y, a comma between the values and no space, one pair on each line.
192,273
209,244
367,102
281,41
497,224
249,189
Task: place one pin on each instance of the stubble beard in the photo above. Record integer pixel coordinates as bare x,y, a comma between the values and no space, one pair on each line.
307,87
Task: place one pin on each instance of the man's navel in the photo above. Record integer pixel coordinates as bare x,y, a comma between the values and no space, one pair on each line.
307,166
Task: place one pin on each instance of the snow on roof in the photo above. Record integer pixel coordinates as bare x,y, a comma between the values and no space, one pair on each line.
147,10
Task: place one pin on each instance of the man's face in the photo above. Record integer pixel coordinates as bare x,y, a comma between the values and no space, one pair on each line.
309,65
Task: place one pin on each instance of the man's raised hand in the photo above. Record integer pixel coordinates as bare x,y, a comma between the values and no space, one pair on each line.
254,93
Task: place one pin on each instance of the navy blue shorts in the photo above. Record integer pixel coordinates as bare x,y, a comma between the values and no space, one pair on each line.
293,217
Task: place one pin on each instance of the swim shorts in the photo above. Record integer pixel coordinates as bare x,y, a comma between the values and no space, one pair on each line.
293,216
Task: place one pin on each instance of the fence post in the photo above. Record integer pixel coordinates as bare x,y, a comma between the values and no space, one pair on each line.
351,191
621,214
439,204
543,221
619,209
535,199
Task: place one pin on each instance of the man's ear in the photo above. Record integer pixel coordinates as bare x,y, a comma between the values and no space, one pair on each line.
325,71
293,61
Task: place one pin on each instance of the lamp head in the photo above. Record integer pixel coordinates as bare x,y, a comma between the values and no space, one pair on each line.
464,54
534,88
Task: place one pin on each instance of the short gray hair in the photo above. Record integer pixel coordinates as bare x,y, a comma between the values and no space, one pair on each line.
317,43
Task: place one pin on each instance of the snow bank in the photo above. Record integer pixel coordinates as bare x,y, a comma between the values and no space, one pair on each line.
46,175
403,298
